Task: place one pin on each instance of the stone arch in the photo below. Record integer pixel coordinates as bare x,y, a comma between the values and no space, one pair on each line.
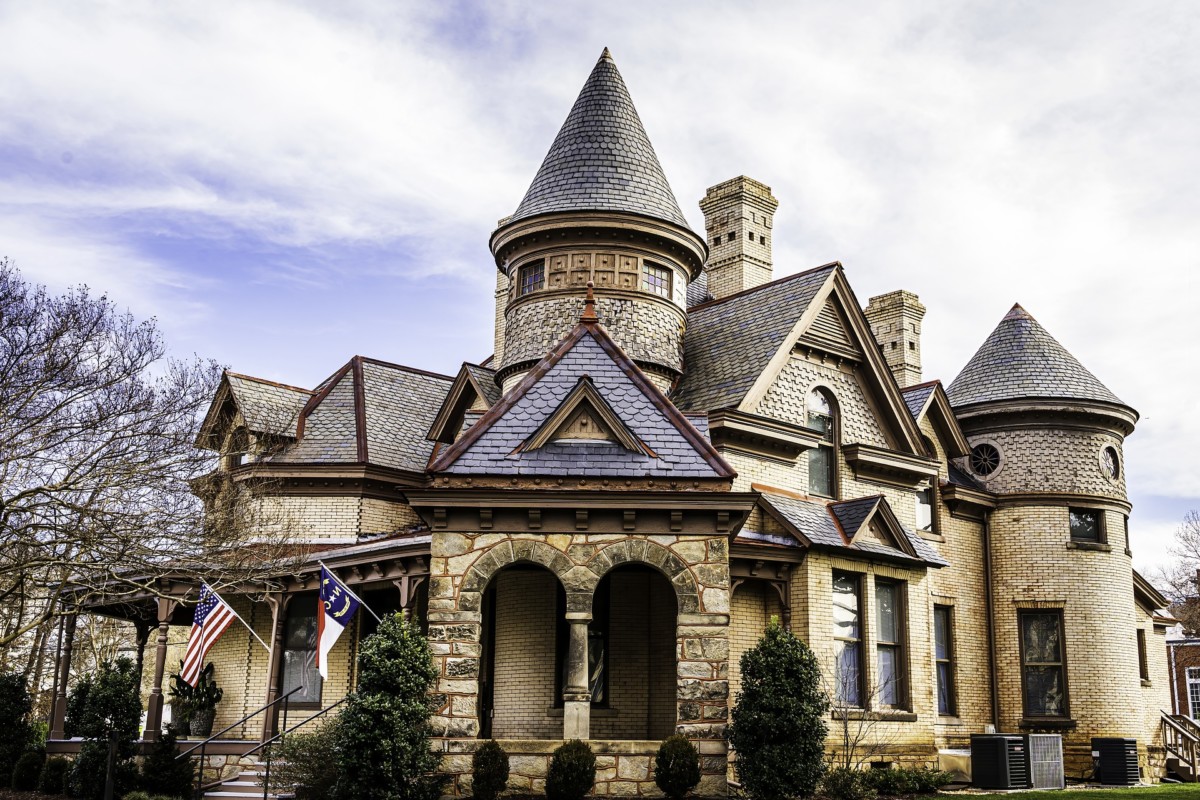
640,551
578,581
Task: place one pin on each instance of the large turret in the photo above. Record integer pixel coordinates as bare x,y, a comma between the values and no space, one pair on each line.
599,209
1046,438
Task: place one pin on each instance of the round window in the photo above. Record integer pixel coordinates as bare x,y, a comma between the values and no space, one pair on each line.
985,459
1110,463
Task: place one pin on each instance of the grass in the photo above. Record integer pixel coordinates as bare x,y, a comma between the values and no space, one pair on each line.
1163,791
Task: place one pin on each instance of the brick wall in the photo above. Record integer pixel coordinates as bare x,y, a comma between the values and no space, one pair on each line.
525,656
751,609
1051,460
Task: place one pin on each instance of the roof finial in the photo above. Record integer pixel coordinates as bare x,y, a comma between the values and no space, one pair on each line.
589,305
605,55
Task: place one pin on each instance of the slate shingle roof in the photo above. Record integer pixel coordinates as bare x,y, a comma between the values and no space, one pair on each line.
486,379
388,429
915,397
506,428
1021,359
823,523
267,407
728,342
697,290
602,159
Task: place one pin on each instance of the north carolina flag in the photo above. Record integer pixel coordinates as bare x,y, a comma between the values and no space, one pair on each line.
338,605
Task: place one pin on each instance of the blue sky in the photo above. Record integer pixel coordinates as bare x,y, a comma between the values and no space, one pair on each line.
284,185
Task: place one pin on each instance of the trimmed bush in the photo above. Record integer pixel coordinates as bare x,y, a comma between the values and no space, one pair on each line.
300,762
778,727
677,767
906,780
489,771
29,767
54,774
15,733
384,751
572,772
847,783
162,774
112,702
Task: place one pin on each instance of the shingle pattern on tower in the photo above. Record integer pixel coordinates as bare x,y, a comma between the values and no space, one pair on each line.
815,519
267,407
602,159
493,452
728,342
1020,359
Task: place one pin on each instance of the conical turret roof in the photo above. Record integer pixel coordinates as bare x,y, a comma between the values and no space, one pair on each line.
1020,359
602,159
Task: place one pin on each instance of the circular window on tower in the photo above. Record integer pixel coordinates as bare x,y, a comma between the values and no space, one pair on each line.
1110,463
985,458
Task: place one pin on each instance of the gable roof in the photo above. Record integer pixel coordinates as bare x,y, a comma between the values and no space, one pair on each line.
266,406
493,445
602,159
1019,360
915,397
729,342
834,525
929,400
372,412
472,382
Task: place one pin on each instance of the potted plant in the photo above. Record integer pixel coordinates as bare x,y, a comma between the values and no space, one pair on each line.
193,708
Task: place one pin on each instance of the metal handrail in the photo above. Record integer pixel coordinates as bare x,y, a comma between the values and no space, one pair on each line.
266,779
203,746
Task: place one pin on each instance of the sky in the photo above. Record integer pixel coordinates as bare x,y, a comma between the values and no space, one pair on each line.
285,185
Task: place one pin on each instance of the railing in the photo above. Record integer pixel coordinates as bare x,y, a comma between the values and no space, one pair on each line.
204,745
266,779
1181,739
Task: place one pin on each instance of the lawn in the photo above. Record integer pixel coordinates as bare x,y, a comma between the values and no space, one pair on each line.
1163,791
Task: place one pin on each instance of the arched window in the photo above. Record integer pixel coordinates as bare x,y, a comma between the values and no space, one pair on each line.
821,460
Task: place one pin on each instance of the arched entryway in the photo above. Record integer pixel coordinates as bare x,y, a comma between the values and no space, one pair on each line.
631,649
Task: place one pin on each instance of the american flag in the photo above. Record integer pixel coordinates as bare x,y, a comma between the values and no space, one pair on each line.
213,616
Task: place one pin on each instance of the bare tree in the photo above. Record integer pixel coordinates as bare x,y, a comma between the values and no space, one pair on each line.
98,464
1179,581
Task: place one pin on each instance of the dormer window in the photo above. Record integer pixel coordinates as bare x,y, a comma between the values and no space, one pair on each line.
656,279
531,278
237,450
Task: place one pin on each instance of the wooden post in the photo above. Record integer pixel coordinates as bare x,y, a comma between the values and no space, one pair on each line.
279,603
154,706
58,725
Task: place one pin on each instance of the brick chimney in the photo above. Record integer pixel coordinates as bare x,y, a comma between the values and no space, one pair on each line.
895,320
738,217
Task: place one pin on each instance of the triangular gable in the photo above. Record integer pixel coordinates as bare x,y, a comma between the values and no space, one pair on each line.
262,406
584,416
469,392
493,446
929,400
878,382
828,332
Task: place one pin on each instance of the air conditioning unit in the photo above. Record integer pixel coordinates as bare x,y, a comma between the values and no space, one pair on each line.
1116,761
1046,761
999,761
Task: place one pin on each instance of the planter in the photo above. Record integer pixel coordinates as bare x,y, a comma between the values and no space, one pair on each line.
201,723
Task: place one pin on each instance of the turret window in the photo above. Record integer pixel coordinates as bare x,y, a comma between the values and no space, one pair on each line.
985,459
1043,677
656,279
531,278
821,460
1087,525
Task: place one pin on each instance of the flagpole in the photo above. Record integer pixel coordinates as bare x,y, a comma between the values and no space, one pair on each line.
361,602
239,616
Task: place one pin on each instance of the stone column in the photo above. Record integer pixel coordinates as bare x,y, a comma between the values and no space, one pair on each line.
154,706
577,699
279,604
58,725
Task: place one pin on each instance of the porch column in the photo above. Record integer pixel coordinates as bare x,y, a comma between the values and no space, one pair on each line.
59,722
279,604
154,706
577,700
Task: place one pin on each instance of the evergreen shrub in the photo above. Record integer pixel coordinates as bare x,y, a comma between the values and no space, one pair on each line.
29,767
906,780
15,732
112,703
489,771
301,763
53,776
778,727
162,772
384,750
572,771
677,767
848,783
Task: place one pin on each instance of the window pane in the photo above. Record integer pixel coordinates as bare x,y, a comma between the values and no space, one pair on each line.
847,673
845,606
925,510
1085,524
889,675
1041,635
300,652
941,633
533,277
944,688
885,599
1044,692
820,471
596,662
656,279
